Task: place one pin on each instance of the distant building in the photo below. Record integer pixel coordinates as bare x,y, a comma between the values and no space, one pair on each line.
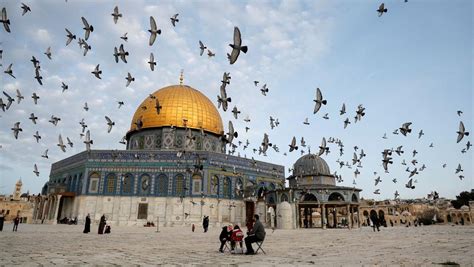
17,204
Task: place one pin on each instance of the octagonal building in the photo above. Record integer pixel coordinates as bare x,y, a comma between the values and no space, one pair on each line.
174,171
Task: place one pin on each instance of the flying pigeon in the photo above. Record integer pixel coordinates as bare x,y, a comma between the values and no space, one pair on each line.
48,52
9,71
69,142
405,128
236,46
319,101
70,36
97,72
86,107
110,123
37,137
5,20
129,79
25,9
16,129
35,170
421,133
410,184
124,37
293,145
153,31
210,54
88,28
202,47
236,112
459,169
45,154
35,98
116,14
33,118
382,9
462,132
343,109
64,86
152,62
174,19
323,148
38,77
61,144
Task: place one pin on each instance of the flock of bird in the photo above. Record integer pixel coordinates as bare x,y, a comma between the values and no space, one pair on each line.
120,54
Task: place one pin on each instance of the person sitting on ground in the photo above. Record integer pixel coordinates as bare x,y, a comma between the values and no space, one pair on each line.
223,237
236,236
257,234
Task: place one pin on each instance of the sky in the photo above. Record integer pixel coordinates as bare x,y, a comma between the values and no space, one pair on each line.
412,64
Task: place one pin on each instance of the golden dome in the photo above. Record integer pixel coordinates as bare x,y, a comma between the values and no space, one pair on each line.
181,106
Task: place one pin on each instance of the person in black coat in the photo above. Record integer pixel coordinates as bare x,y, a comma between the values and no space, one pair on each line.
2,219
223,237
102,224
375,222
87,225
205,223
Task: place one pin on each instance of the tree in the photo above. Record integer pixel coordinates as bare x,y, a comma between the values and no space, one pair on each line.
463,199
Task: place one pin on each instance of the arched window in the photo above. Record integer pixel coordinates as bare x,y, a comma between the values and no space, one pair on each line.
215,185
127,184
161,185
94,179
110,180
336,197
354,198
197,182
179,185
145,184
283,198
226,187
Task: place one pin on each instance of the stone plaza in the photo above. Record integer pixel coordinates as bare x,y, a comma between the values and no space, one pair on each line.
36,244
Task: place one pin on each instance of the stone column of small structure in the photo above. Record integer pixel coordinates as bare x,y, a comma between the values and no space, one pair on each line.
323,215
55,221
349,216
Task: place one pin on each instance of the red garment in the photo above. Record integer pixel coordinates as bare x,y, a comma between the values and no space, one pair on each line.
237,235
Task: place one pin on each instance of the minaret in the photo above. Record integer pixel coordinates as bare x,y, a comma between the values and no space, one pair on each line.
17,192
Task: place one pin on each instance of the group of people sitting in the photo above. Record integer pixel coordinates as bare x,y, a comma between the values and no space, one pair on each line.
234,235
69,221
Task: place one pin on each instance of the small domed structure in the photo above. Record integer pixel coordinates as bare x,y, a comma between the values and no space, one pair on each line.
311,164
310,169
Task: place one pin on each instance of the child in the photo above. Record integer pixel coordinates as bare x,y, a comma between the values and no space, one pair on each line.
237,236
223,237
107,229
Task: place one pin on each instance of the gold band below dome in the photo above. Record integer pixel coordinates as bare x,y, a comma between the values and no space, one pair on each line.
181,106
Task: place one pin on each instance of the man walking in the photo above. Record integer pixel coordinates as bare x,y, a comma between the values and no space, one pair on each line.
16,221
257,234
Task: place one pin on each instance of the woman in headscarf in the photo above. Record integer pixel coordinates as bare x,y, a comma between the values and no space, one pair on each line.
87,225
102,224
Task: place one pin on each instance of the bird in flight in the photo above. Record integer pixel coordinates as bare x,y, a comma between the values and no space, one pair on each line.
382,9
5,20
319,101
153,31
462,132
236,46
116,14
97,72
88,28
25,9
202,47
174,19
152,62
